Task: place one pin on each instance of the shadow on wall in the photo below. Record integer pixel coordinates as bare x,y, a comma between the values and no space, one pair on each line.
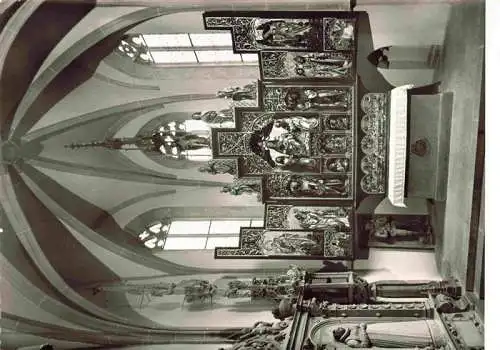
402,65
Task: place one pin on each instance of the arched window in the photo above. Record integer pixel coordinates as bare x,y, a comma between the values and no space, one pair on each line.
195,234
184,49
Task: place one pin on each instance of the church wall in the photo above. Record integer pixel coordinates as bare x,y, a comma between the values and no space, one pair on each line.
425,24
398,264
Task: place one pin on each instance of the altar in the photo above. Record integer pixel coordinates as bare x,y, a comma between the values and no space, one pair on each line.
321,144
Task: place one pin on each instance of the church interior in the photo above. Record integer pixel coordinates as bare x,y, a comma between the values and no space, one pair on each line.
266,174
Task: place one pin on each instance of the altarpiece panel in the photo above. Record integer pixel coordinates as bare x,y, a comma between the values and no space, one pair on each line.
259,243
303,137
291,31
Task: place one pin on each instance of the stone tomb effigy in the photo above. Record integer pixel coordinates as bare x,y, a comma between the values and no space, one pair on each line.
301,138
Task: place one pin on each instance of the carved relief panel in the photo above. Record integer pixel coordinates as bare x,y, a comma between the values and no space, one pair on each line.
283,65
291,31
307,98
289,244
373,127
290,187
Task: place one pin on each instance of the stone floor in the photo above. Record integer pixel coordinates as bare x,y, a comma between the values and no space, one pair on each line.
461,71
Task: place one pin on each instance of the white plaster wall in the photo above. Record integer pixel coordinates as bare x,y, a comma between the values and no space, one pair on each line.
183,22
407,25
394,264
110,72
415,24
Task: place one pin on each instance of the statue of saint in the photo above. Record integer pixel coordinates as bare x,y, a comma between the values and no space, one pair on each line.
338,165
247,92
287,143
296,164
307,99
339,123
317,187
334,144
238,188
321,65
214,117
219,166
342,30
284,33
297,124
321,219
403,334
175,141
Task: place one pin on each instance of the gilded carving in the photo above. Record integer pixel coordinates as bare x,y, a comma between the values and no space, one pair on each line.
338,33
281,65
234,143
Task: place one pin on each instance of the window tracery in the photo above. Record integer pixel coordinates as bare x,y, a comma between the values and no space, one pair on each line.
185,234
183,49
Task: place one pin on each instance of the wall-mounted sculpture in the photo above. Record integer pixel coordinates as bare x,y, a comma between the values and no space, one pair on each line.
199,291
273,288
219,166
243,186
247,92
171,143
214,117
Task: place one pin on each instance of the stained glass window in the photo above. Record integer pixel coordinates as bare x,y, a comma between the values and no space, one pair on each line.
192,48
195,234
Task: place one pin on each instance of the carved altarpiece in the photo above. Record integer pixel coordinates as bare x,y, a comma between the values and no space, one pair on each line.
300,139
